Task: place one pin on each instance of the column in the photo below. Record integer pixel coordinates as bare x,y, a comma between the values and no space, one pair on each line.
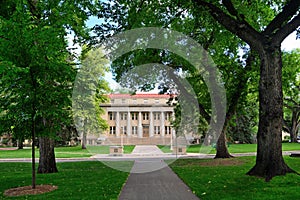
140,127
151,125
128,124
162,124
118,124
173,128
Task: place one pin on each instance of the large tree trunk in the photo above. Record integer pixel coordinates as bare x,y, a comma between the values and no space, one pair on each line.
221,147
20,143
294,126
47,162
269,159
84,132
83,141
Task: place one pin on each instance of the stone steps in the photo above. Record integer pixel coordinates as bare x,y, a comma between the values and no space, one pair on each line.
138,141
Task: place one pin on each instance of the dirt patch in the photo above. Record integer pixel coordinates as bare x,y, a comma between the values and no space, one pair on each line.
27,190
222,162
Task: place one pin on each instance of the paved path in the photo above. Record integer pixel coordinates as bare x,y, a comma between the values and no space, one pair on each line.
146,150
152,179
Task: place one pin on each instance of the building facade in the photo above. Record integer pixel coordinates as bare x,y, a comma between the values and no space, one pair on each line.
140,118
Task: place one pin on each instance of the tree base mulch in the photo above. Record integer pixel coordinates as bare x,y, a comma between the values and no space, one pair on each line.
27,190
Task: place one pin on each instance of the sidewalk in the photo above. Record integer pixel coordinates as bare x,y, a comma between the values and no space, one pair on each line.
153,179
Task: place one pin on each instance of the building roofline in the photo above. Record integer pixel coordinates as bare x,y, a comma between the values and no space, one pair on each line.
144,95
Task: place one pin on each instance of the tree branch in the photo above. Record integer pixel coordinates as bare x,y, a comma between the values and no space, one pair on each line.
33,8
285,126
2,37
292,101
286,30
240,87
183,91
238,26
288,11
229,6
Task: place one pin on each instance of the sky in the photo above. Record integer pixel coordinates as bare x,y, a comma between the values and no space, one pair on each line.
288,44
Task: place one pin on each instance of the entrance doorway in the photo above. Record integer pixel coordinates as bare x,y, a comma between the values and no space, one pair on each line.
146,131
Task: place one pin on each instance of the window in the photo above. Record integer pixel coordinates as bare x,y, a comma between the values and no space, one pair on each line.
134,116
112,101
124,130
156,116
112,116
167,116
156,101
145,116
157,130
112,130
123,116
123,101
134,130
168,130
134,101
145,100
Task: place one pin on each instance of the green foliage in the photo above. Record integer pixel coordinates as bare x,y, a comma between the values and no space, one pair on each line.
291,91
291,75
89,91
221,45
36,66
243,126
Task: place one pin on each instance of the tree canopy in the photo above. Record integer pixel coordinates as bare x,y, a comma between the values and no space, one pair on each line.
261,26
37,73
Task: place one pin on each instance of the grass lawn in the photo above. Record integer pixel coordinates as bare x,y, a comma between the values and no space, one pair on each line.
240,148
105,149
222,179
63,152
75,180
164,148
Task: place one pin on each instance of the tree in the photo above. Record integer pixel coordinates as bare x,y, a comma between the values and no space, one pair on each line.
14,116
197,25
291,93
243,126
37,63
89,91
266,40
262,25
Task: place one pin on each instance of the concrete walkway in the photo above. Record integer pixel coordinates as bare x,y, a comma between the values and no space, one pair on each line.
146,150
152,179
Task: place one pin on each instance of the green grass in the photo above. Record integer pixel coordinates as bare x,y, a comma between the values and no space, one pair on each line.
75,180
60,152
63,152
104,149
164,148
240,148
128,148
211,182
290,146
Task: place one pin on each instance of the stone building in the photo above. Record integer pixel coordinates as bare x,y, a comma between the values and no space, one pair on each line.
138,119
